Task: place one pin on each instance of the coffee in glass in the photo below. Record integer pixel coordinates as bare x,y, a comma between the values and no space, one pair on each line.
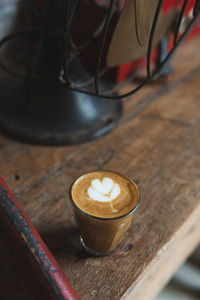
104,202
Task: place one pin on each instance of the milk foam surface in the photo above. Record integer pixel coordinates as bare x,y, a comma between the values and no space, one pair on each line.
104,191
104,194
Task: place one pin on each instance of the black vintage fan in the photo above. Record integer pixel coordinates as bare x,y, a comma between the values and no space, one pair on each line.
49,97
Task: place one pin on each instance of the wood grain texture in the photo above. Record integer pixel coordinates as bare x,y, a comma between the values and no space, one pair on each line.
157,144
168,259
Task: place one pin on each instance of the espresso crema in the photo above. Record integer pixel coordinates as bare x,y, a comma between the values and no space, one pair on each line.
105,194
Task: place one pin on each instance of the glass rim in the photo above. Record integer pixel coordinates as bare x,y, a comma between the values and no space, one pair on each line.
103,218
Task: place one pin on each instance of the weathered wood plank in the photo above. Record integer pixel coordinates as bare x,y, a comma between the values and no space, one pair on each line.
168,260
157,144
163,153
157,152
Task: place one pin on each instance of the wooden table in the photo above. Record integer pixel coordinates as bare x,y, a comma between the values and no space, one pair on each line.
157,143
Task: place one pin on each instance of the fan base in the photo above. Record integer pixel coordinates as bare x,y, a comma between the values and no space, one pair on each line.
49,113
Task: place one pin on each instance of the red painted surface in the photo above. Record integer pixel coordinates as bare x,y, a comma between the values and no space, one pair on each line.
34,262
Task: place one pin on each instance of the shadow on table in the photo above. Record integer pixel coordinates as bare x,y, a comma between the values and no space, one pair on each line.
64,242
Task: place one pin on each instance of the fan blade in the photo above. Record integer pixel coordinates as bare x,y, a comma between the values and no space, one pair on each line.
131,37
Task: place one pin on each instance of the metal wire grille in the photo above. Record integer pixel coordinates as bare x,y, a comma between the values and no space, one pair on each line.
71,9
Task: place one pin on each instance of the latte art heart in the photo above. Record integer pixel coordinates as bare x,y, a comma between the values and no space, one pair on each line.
104,194
103,191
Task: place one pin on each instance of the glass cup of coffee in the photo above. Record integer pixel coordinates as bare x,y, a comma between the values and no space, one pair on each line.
104,203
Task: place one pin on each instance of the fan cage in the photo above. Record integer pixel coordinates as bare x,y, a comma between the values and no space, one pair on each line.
71,9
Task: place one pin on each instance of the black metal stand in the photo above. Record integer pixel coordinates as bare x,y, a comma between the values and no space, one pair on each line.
49,113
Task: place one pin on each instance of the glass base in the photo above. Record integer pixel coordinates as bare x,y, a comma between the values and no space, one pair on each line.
93,252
